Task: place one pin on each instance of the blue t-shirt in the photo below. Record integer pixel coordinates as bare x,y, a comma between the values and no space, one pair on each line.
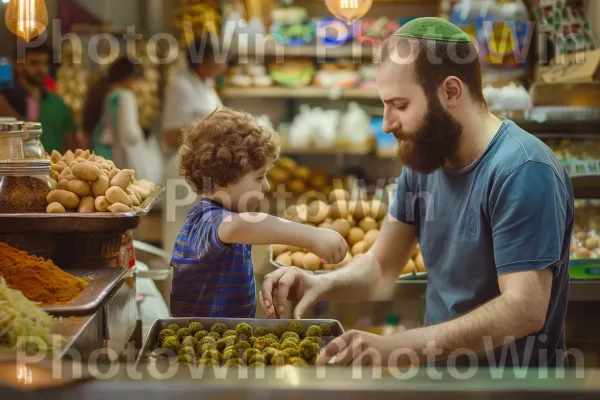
511,210
210,278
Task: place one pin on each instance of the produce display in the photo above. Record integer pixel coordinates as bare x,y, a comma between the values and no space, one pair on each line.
38,279
298,179
585,242
234,346
19,318
87,183
567,149
73,79
195,17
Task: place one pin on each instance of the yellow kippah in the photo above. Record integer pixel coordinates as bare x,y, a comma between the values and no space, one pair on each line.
434,29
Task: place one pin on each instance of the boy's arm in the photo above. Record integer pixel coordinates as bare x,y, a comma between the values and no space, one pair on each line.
259,228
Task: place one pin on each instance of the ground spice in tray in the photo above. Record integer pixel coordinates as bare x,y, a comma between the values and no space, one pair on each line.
23,194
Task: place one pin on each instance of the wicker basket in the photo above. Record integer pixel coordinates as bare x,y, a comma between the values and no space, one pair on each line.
38,244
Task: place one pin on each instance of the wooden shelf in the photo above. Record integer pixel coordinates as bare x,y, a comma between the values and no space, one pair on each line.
278,92
327,152
353,51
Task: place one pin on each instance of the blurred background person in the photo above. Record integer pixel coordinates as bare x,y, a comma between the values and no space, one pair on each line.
30,100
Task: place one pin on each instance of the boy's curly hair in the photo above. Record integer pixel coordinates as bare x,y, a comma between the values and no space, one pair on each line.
223,147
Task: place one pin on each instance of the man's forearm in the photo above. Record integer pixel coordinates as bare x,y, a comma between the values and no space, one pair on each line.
260,229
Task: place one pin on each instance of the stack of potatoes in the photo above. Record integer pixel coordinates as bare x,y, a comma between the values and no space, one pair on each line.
357,221
87,183
297,179
415,264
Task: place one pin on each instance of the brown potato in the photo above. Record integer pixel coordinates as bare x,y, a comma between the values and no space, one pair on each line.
420,263
119,208
80,188
105,166
345,261
380,223
582,252
55,208
141,192
338,194
55,156
100,186
358,248
378,209
59,166
85,154
92,158
134,200
341,226
339,209
54,175
416,251
355,235
101,204
116,195
326,225
122,179
301,215
311,262
64,173
317,212
63,184
86,205
367,224
77,153
86,171
279,249
284,259
289,212
592,242
359,209
70,154
370,238
351,221
64,197
113,172
298,259
409,268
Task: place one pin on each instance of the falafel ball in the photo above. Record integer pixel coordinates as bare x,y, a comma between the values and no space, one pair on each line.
316,340
173,327
261,331
195,327
234,362
325,329
298,362
291,352
252,340
165,333
243,329
288,345
280,330
308,351
268,354
187,350
189,341
203,348
230,352
219,328
295,341
214,354
272,336
225,342
214,335
171,343
200,335
313,331
208,339
261,343
241,346
249,353
272,342
229,333
208,361
290,334
257,358
296,327
276,346
279,358
184,359
182,333
258,364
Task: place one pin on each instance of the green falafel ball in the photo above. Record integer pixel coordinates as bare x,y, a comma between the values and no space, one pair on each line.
249,353
165,333
229,333
214,354
296,327
298,362
316,340
279,358
252,340
280,330
325,329
272,342
243,329
203,348
187,350
291,340
261,331
276,346
257,358
288,345
291,352
225,342
313,331
268,354
308,351
241,346
219,328
184,359
207,340
261,343
183,333
290,334
208,362
200,335
173,327
189,341
258,364
214,335
195,327
171,343
229,353
234,362
272,336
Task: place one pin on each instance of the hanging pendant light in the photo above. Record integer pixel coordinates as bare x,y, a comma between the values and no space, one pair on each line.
348,10
27,18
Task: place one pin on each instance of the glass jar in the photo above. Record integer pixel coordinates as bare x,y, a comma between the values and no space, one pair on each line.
32,146
24,186
12,135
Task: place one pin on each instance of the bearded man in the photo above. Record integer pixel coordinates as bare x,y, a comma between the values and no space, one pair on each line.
489,205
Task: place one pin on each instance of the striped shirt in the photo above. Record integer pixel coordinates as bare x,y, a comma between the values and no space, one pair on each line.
210,278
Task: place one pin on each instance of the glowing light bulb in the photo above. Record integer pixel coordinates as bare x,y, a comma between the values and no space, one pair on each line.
348,10
27,18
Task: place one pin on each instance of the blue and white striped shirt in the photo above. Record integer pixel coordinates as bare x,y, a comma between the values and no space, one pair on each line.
210,278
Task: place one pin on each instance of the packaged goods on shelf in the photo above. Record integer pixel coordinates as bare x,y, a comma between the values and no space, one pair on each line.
585,243
195,18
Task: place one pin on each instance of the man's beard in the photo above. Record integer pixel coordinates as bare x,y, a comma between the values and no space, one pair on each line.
434,142
33,80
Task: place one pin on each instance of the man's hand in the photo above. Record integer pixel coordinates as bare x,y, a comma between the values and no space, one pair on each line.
367,349
329,245
292,284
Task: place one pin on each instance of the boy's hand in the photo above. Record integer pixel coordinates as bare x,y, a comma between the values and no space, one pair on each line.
329,245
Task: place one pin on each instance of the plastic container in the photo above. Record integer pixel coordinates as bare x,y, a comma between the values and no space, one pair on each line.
32,146
393,324
24,186
12,134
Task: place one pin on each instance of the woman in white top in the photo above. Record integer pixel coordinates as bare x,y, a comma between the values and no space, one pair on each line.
189,96
110,115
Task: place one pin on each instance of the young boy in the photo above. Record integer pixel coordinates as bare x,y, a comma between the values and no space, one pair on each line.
225,157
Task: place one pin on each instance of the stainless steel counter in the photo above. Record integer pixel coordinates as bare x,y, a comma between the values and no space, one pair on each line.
340,383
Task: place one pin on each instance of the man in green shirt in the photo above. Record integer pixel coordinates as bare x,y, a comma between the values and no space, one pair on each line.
29,100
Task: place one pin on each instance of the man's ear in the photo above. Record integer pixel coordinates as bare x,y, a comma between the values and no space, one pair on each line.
452,92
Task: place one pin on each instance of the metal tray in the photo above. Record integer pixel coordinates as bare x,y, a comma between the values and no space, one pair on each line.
414,276
151,340
101,282
78,222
